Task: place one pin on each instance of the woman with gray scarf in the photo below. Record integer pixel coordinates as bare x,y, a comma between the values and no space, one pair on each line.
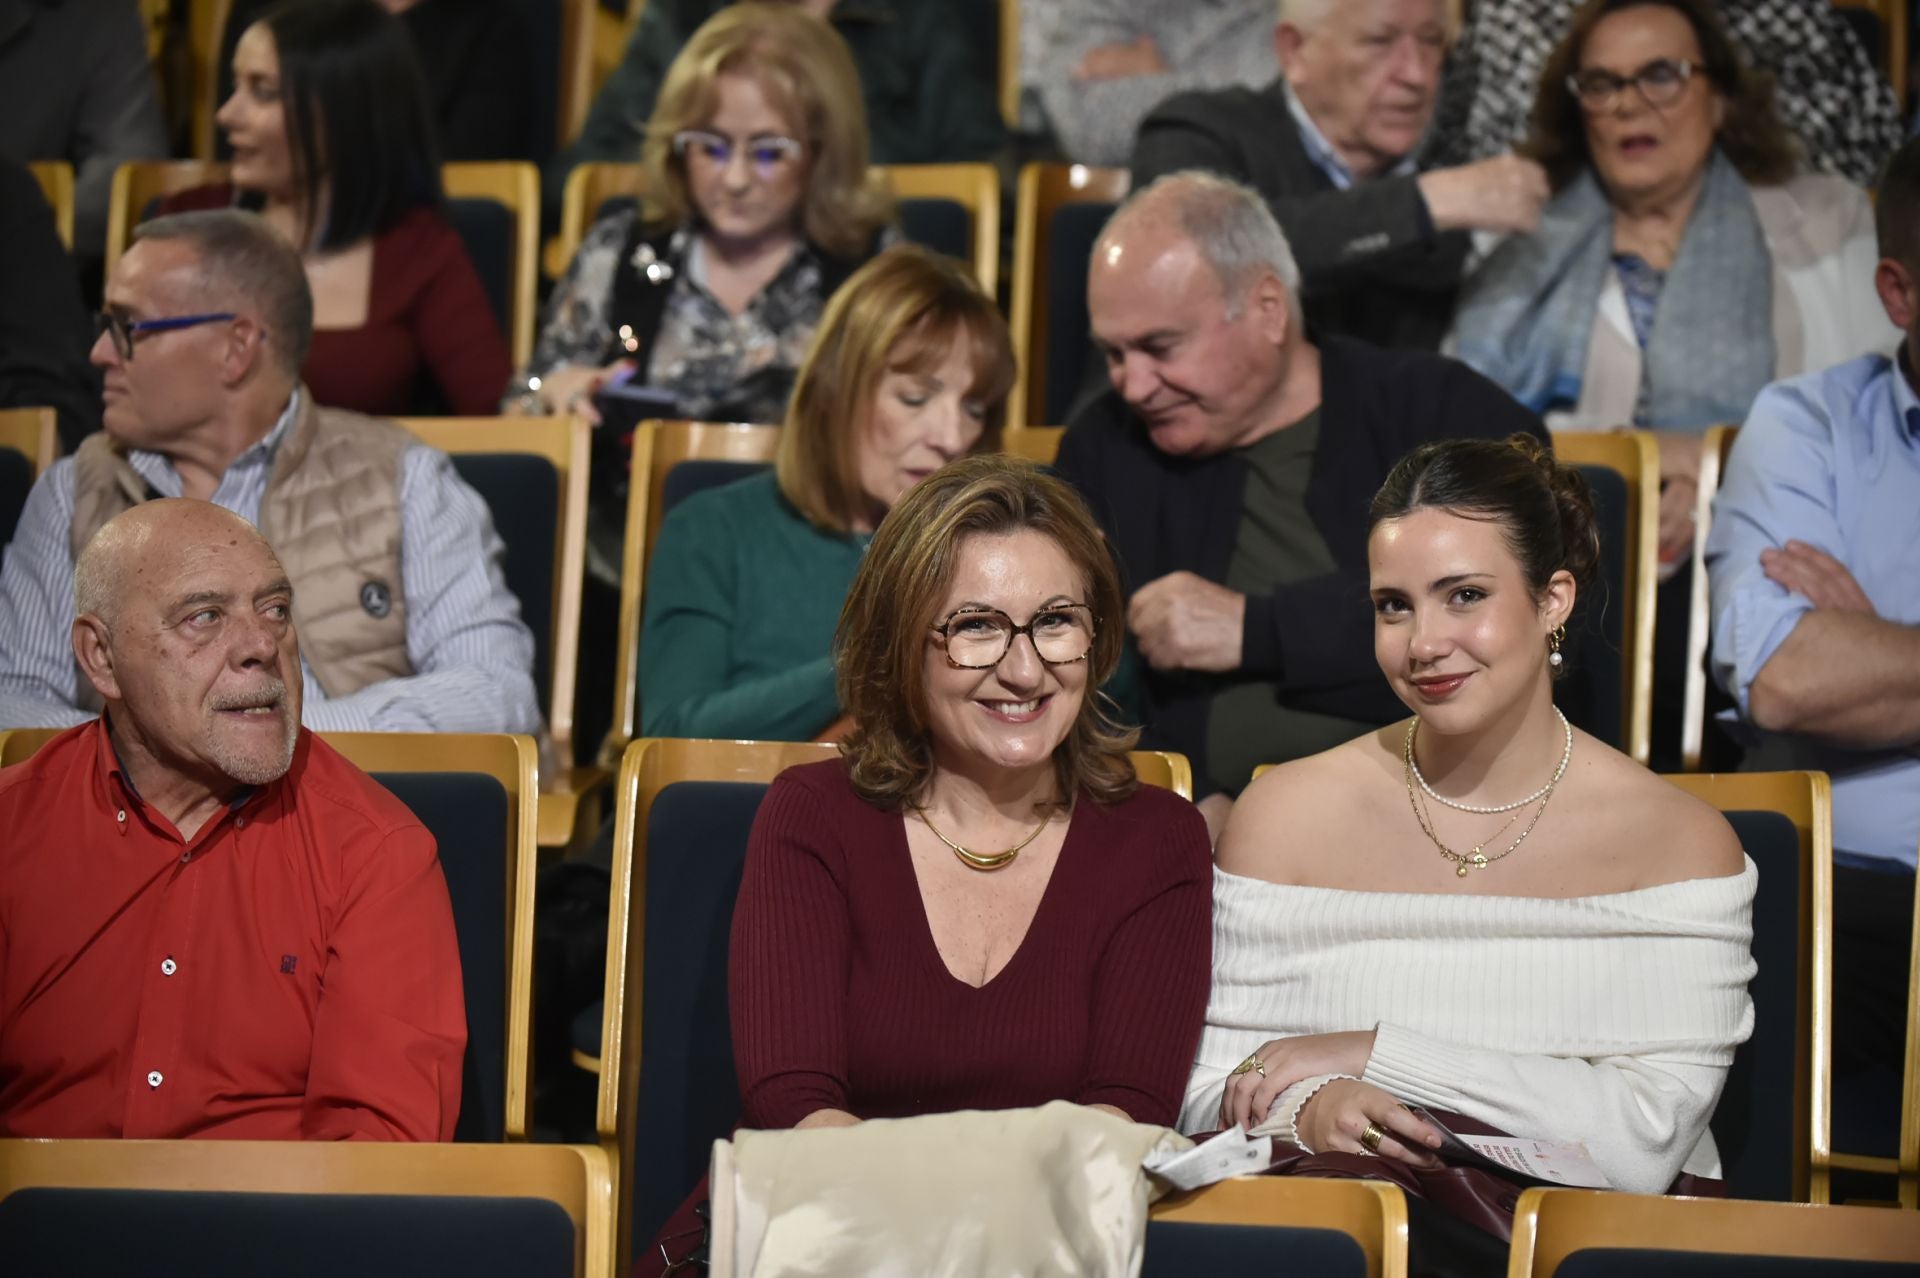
1687,258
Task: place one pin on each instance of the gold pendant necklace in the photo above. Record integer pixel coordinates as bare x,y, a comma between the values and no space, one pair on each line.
984,861
1477,859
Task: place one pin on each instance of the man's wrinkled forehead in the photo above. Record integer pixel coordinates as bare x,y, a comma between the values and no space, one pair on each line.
224,563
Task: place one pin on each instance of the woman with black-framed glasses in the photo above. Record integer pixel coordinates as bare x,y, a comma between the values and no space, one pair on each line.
757,205
1687,259
977,906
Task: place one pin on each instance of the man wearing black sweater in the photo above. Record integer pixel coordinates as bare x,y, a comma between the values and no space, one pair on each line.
1231,466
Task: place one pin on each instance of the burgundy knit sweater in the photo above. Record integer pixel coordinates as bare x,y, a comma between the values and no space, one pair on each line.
840,998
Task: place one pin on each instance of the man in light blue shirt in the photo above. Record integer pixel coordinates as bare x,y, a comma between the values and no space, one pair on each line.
1814,557
208,319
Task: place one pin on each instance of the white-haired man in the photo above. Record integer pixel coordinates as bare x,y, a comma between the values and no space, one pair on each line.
214,925
405,615
1231,465
1333,144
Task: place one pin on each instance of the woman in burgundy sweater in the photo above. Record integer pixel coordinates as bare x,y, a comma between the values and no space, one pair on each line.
333,144
978,906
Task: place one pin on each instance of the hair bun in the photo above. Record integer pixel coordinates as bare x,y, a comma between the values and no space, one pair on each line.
1573,499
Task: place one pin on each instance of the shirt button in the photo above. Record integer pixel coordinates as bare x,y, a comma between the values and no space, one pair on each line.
154,1079
185,857
121,816
239,823
168,967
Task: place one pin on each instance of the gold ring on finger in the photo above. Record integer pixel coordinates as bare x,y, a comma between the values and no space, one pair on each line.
1250,1064
1370,1139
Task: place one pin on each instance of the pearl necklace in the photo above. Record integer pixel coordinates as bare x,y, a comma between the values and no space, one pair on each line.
1414,725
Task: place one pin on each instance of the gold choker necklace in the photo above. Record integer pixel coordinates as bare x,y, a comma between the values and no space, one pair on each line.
984,861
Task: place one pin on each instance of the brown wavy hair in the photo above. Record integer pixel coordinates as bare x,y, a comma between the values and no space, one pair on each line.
808,75
880,649
903,310
1751,133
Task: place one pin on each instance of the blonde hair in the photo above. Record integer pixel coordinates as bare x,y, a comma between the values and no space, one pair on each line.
804,68
903,310
880,647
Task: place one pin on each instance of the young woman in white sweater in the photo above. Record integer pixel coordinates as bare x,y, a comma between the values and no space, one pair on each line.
1481,910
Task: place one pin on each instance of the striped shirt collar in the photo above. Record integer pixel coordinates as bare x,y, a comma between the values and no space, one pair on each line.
157,468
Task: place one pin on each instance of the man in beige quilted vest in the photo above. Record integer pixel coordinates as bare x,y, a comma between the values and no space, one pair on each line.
406,623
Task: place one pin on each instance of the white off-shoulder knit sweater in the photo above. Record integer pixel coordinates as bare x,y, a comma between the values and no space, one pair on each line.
1609,1020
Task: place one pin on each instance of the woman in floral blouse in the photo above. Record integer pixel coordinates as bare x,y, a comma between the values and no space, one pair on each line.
758,204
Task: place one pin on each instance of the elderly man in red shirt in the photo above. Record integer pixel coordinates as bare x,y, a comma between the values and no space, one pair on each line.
210,923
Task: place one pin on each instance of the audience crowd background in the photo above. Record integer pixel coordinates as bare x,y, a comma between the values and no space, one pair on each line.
1375,254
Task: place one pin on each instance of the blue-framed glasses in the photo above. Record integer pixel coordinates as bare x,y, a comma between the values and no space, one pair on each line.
766,152
124,331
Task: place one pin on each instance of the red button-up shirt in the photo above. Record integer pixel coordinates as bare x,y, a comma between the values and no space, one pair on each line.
288,973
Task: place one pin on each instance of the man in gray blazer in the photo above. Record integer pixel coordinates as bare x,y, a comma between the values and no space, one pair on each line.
1334,145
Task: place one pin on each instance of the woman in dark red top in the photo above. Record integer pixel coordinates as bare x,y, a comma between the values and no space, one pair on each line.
333,143
978,906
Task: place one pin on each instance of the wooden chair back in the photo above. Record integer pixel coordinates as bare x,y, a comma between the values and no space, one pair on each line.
56,184
412,764
1715,448
1039,444
549,584
1635,457
1368,1216
658,447
1552,1226
1044,300
206,29
230,1178
514,185
1008,82
589,188
927,192
138,183
1786,1065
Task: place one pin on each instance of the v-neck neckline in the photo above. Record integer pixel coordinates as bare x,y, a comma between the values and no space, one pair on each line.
931,944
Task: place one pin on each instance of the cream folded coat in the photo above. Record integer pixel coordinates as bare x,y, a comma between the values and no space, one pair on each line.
1021,1193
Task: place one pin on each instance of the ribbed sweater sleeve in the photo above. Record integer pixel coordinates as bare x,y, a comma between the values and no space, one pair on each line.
1638,1116
787,972
1154,974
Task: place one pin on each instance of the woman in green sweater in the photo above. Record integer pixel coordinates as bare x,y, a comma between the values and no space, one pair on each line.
909,369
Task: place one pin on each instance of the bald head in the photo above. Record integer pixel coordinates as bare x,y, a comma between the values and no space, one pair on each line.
184,626
1228,225
138,545
1192,303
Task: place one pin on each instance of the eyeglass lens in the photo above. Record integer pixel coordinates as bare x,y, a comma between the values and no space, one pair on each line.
764,153
1660,83
980,639
108,322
